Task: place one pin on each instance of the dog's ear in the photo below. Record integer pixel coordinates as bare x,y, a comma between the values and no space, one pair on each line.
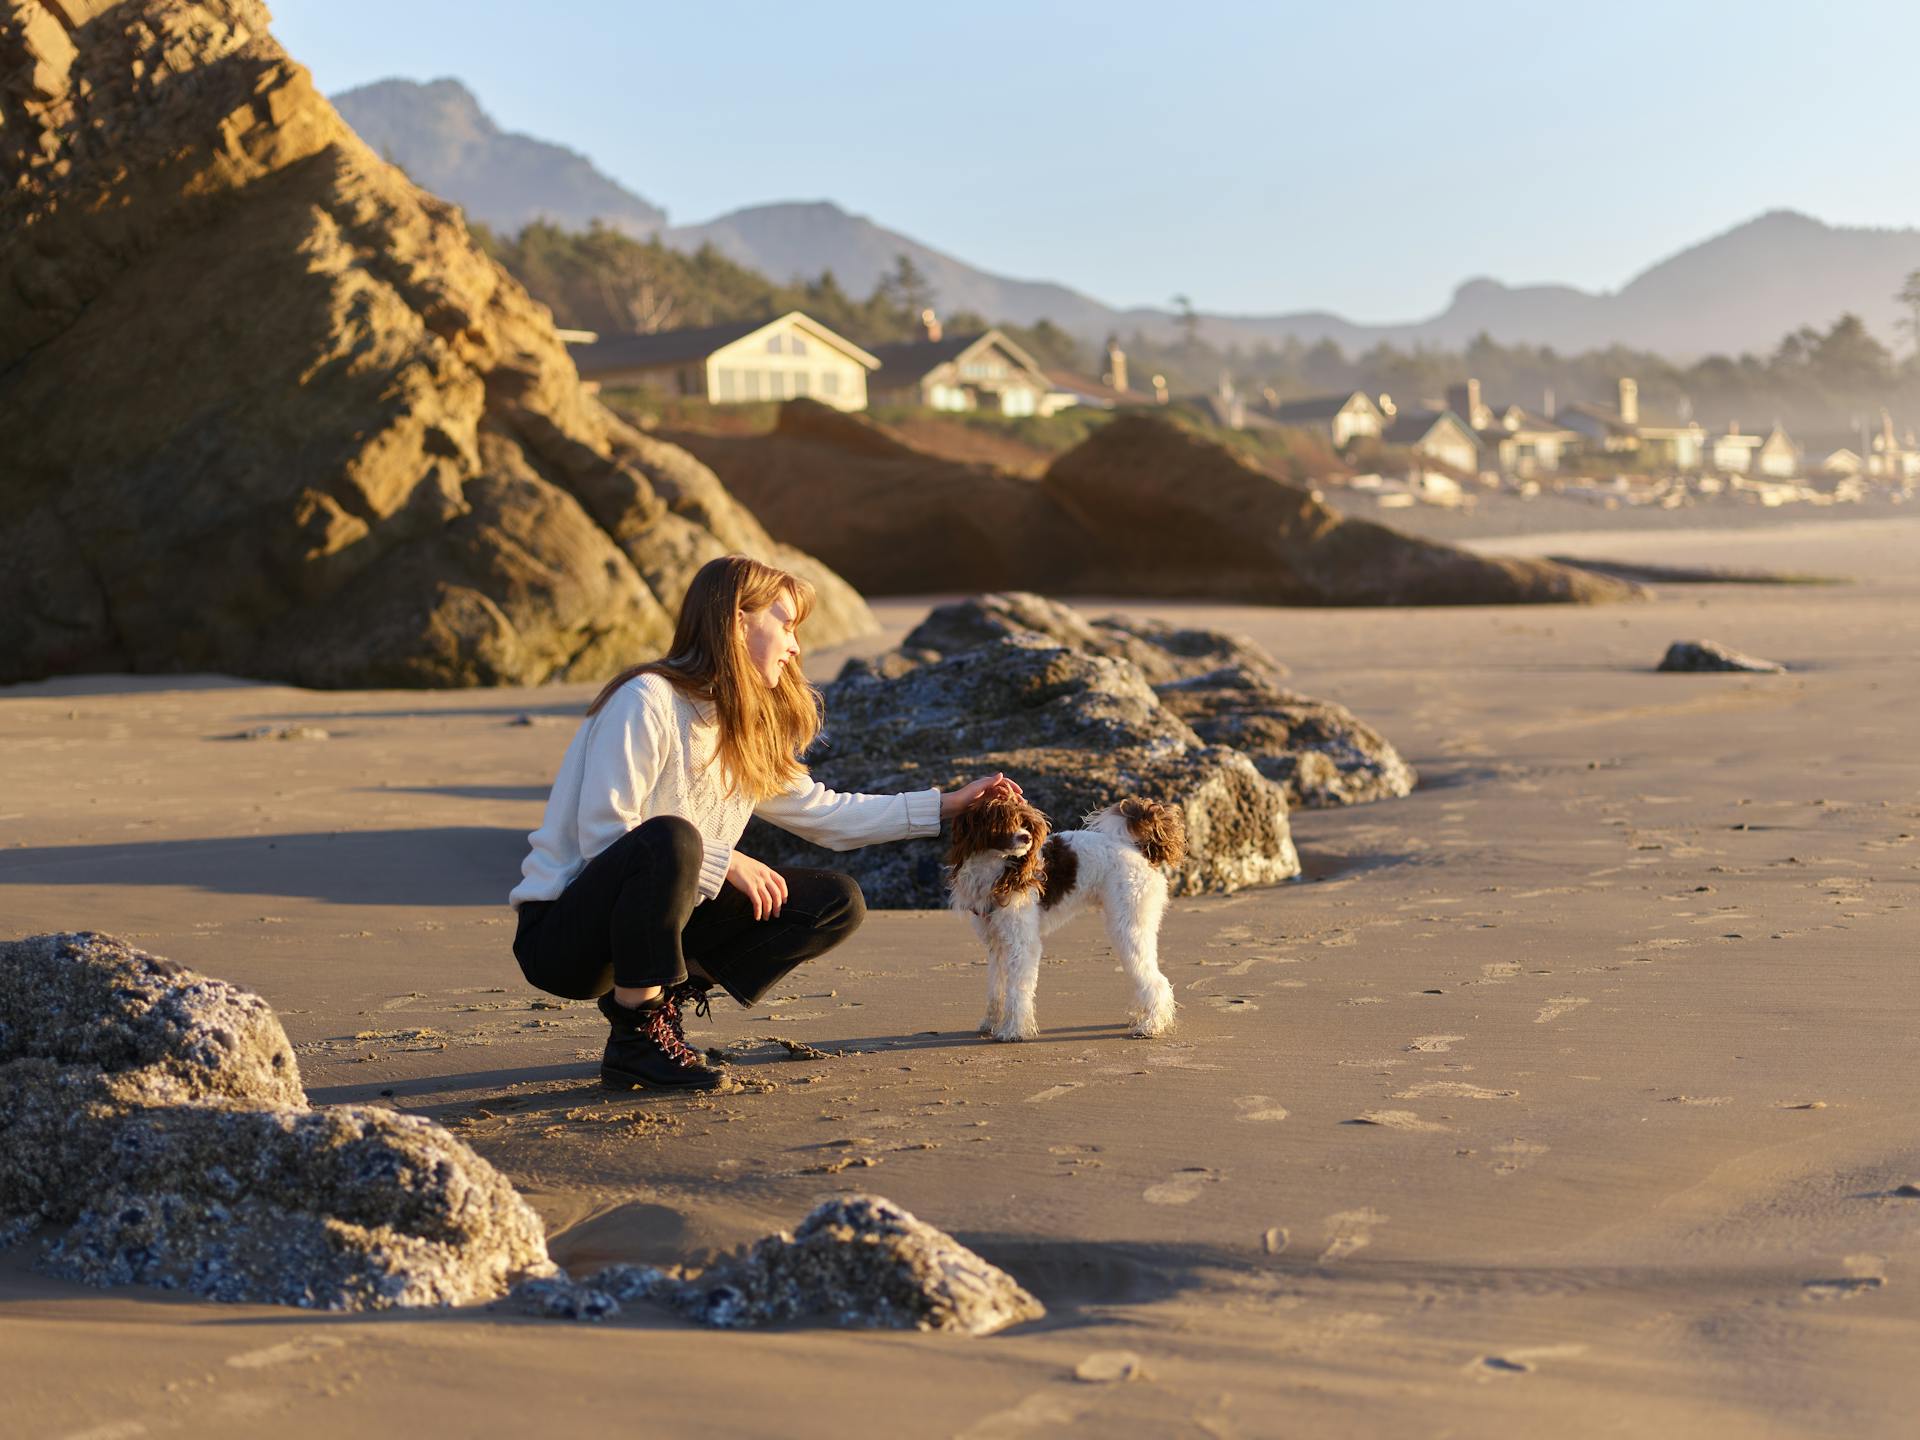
966,836
1159,830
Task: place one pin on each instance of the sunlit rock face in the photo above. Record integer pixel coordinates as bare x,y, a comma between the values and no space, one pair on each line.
269,410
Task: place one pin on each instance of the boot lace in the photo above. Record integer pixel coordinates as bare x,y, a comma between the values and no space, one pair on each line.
664,1029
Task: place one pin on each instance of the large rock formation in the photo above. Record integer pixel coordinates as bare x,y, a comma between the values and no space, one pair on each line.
1142,507
268,409
158,1116
1078,730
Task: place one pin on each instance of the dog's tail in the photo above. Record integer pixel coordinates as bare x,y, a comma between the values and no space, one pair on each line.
1159,830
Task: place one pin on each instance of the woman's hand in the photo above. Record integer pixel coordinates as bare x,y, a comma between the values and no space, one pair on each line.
765,886
954,801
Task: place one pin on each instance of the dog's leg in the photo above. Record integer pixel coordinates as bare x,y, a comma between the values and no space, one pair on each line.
996,975
1135,930
1022,973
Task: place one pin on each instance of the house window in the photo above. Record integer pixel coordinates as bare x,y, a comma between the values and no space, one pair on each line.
729,383
802,382
829,382
776,345
1017,401
752,389
796,346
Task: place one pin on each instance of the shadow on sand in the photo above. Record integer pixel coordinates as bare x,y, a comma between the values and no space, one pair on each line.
444,866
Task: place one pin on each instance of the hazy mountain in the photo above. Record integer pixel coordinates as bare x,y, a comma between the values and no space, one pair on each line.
799,240
440,136
1739,291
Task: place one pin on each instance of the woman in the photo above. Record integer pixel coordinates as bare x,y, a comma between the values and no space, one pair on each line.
633,891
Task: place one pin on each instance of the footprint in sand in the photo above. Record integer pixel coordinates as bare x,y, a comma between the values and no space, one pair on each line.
1259,1107
1393,1120
1435,1044
1181,1187
1348,1231
1865,1273
1558,1005
1054,1092
1516,1155
1453,1089
1522,1362
1500,970
285,1353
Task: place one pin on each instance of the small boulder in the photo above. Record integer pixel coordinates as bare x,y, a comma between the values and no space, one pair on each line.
860,1260
1693,656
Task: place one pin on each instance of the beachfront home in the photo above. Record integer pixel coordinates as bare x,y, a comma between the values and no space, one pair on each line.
1777,455
779,359
1439,435
1622,429
983,370
1516,440
1350,415
1735,453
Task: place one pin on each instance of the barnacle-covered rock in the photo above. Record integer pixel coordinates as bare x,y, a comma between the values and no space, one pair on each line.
157,1115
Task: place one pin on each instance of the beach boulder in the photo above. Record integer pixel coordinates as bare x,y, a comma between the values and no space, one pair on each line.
156,1117
1079,731
1225,687
270,409
1696,656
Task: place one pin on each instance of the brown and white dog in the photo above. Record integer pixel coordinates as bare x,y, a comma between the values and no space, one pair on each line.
1016,882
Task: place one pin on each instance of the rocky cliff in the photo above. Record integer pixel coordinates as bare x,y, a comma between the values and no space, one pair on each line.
266,408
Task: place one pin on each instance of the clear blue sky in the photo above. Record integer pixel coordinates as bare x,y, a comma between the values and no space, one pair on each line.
1259,157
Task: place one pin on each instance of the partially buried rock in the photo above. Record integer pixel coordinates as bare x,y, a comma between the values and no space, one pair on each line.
158,1116
860,1260
1702,655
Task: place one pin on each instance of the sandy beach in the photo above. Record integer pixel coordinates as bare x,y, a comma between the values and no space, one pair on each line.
1571,1094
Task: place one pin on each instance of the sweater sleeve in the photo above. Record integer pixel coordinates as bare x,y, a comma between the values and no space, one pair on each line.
843,821
624,756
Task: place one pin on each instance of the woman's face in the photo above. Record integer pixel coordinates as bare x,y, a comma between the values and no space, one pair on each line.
771,644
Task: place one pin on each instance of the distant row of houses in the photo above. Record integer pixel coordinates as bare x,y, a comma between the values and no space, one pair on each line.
1468,434
793,356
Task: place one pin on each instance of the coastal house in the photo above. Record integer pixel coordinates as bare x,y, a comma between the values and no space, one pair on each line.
1654,442
1351,415
983,370
1516,440
779,359
1735,453
1438,435
1777,455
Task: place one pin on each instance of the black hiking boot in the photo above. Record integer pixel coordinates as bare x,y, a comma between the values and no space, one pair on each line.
647,1050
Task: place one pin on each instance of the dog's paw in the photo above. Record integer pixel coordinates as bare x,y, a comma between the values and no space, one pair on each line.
1013,1029
1156,1020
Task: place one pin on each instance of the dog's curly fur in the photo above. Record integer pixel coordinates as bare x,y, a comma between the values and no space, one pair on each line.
1015,880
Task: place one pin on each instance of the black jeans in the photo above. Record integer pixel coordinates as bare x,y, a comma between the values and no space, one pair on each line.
634,917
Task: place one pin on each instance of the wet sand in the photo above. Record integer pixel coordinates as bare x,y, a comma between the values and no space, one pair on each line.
1569,1095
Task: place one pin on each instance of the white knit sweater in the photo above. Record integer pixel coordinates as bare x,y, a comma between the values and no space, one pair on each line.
645,753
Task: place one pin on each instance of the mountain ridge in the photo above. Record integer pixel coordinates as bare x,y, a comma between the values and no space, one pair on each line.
1738,291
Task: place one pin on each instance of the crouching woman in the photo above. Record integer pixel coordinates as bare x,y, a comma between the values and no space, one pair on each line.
632,890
